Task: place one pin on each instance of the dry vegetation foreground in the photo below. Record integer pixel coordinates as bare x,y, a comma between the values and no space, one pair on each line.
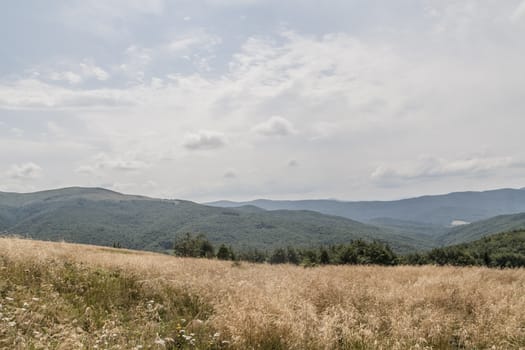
68,296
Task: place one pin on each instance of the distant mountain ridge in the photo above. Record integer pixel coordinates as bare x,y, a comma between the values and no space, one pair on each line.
103,217
439,210
100,216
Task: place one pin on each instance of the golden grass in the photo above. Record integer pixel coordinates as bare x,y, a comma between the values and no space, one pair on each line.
289,307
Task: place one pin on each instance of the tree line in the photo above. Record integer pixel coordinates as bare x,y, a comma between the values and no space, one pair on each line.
357,252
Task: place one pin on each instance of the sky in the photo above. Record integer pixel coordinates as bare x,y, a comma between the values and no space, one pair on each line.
243,99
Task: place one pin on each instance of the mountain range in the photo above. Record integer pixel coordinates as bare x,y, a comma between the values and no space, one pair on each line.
440,210
104,217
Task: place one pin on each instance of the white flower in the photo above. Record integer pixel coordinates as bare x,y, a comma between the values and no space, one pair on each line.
160,341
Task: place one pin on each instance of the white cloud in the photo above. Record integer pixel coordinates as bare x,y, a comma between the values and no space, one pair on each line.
86,170
103,161
16,132
121,163
25,171
194,40
204,140
519,13
68,76
36,94
90,70
73,74
377,95
275,126
55,130
428,167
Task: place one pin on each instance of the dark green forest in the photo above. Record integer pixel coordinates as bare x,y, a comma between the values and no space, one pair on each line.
504,250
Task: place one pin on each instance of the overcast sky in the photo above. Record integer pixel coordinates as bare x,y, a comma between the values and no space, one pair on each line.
243,99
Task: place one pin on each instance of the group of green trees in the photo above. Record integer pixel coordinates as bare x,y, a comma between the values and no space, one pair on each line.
502,250
356,252
458,257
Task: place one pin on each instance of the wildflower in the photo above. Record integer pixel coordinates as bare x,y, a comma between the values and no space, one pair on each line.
160,341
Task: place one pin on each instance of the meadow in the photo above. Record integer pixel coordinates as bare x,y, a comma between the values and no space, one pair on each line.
71,296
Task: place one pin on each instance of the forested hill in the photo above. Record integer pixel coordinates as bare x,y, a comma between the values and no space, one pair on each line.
477,230
103,217
500,250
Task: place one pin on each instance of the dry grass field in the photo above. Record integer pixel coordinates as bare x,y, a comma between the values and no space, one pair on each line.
68,296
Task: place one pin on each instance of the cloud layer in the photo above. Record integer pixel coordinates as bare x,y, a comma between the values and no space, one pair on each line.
216,99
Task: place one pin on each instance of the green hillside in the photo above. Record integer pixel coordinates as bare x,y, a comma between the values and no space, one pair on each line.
411,227
479,229
102,217
500,250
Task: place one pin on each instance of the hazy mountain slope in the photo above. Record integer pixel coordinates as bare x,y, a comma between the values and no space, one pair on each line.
437,210
483,228
411,227
98,216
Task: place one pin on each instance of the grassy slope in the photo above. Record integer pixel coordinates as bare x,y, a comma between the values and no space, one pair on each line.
58,295
99,216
